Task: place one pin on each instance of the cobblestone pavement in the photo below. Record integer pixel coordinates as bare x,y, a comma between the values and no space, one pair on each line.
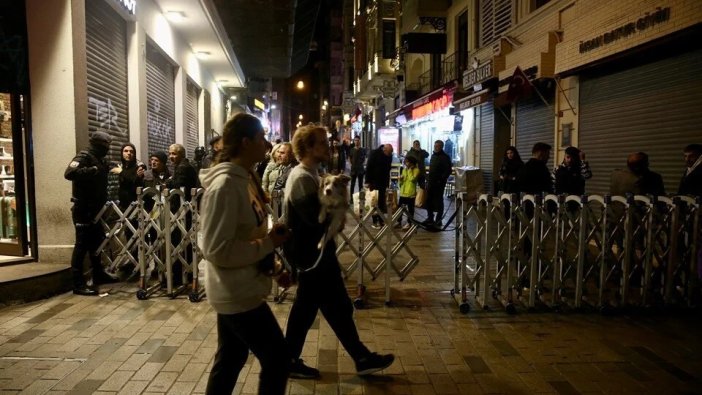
118,344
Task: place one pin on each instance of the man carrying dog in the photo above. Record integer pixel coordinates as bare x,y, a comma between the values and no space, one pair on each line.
321,288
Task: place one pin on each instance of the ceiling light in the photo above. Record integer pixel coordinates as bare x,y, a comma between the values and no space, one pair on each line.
233,97
175,16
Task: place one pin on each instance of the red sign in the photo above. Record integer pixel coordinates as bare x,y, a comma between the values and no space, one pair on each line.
433,106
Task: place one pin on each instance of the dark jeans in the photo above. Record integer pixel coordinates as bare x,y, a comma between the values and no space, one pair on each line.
255,330
354,177
435,202
382,205
409,202
89,236
323,289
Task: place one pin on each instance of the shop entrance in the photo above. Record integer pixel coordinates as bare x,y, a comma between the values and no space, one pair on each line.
14,226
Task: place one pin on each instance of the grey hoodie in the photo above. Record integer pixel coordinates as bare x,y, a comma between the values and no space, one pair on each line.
233,238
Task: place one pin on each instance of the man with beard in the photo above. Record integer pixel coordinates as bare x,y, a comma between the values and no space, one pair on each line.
88,172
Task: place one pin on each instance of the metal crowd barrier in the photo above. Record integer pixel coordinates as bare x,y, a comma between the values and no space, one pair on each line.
158,232
155,234
554,251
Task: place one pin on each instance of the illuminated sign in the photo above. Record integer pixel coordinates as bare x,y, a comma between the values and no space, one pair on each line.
129,5
259,104
432,106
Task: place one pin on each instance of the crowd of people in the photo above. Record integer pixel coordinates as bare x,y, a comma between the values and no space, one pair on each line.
241,171
569,177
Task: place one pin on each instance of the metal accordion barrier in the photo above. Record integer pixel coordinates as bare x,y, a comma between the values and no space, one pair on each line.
158,233
556,252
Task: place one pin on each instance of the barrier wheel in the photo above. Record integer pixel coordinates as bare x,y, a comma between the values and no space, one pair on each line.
141,294
194,297
464,308
510,309
358,303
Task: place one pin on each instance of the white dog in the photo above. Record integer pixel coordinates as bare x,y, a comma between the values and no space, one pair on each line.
334,198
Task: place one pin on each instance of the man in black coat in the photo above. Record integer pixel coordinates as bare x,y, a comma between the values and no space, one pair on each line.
534,177
378,178
439,172
88,172
691,182
184,174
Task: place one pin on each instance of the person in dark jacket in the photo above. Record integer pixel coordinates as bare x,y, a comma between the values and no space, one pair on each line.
216,145
337,158
158,173
357,162
638,179
88,172
534,177
378,178
321,287
184,174
421,156
570,175
691,181
439,171
511,164
131,175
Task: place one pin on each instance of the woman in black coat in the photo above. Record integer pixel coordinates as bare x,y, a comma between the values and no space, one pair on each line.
511,164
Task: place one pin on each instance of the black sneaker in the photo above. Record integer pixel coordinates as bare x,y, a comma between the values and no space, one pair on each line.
298,370
373,363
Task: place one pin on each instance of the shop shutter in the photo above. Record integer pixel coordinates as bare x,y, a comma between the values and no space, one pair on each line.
487,145
534,124
106,51
160,100
654,108
191,119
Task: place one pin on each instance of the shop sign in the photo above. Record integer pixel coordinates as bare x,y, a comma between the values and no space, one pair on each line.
259,104
647,21
129,5
477,75
472,101
432,106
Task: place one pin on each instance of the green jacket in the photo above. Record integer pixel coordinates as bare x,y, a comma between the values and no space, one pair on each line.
408,182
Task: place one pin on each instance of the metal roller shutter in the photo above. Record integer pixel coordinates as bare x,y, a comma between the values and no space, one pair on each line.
487,144
106,51
191,119
534,124
654,108
160,100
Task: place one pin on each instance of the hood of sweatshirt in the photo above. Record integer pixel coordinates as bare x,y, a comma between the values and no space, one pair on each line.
207,176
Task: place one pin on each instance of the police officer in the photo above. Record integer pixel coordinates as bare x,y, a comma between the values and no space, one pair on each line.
88,173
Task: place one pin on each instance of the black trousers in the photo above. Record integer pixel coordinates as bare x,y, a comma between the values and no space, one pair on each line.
382,205
409,202
435,201
89,236
354,177
256,330
323,289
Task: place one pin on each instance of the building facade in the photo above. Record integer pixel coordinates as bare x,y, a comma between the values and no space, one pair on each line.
609,77
142,73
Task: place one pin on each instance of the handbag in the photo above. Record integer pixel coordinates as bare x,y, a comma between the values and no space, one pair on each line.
421,197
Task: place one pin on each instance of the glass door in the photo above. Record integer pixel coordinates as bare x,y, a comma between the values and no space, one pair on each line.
14,228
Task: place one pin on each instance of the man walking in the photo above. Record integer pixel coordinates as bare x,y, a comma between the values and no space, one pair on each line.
321,287
357,159
439,172
88,172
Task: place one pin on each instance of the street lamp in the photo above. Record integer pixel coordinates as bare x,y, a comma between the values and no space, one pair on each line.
300,85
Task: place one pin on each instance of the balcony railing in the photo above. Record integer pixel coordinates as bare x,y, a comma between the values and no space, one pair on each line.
452,66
